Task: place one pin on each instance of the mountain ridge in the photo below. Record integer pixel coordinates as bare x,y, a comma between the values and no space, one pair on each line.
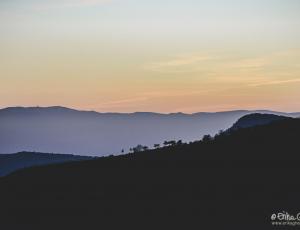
69,131
63,108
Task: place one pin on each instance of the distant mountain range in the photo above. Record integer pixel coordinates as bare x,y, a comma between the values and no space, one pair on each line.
68,131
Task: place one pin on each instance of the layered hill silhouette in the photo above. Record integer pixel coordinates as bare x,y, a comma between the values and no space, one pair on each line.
256,119
68,131
235,180
12,162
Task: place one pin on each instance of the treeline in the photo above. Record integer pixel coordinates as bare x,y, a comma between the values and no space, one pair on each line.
173,143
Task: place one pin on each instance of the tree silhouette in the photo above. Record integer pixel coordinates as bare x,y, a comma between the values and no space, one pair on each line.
207,138
179,142
156,146
170,143
145,148
139,148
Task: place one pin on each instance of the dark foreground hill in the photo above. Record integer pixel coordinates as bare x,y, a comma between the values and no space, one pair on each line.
237,181
256,119
12,162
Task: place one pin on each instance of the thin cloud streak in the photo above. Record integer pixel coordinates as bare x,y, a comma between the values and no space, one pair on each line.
181,63
117,103
278,82
209,64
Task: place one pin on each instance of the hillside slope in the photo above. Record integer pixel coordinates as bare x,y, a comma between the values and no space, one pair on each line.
236,181
256,119
12,162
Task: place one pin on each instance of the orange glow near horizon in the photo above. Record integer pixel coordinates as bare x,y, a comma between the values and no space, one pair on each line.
185,57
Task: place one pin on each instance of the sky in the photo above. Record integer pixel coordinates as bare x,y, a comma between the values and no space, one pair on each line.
160,55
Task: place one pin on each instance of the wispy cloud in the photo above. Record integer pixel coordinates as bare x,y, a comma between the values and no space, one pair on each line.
209,64
275,82
249,64
118,103
143,98
124,101
180,63
183,61
225,64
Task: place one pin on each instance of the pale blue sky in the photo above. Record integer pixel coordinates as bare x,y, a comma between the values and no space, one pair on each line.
170,17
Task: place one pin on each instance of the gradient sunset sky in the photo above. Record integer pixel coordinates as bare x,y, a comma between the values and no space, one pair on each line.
159,55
